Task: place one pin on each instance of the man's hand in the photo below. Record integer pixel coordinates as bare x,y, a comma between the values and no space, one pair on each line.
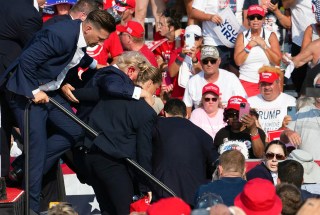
216,19
293,137
67,92
311,206
40,98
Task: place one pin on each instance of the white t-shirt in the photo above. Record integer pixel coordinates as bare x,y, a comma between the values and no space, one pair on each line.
215,7
301,17
228,83
211,125
271,114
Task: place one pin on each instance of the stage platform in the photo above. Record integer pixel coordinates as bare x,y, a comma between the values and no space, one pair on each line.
14,204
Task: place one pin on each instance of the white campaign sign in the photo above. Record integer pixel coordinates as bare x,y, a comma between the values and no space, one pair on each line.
229,29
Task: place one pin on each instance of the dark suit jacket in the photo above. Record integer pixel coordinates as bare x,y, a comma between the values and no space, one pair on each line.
181,156
125,128
260,171
108,80
19,22
49,52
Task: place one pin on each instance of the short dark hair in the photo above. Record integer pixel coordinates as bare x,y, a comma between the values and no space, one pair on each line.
277,142
291,198
102,19
175,107
85,6
290,171
173,18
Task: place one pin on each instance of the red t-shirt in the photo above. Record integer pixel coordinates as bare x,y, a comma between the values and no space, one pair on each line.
178,91
149,55
112,46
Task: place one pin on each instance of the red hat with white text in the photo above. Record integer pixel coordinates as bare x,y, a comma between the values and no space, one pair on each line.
234,102
268,77
255,10
211,88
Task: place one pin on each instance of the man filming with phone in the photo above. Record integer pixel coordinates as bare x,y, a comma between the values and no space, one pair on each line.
242,132
303,130
184,62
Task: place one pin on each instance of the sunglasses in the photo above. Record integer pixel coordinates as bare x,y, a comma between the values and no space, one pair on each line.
233,114
210,99
207,60
259,17
271,155
197,38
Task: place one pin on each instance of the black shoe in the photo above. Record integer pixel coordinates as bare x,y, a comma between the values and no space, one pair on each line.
16,175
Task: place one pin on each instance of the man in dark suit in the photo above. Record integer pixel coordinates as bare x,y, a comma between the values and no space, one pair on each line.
19,22
183,153
37,74
125,128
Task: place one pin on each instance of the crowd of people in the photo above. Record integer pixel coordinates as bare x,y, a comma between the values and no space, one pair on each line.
190,106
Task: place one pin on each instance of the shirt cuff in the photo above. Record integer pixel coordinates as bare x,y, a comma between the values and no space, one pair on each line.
35,91
93,65
136,93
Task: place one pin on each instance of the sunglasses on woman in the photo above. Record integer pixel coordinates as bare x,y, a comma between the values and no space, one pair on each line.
210,99
207,60
271,155
252,17
232,115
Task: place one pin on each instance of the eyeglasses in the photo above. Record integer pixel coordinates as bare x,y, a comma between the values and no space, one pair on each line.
207,60
212,99
271,155
252,17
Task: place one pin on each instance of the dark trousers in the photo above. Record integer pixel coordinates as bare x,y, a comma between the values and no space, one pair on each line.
298,75
110,179
51,133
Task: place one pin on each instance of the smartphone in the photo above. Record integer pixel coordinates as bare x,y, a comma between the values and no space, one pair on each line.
291,111
244,109
189,40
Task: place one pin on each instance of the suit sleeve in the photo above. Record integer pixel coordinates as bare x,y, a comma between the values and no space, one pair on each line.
44,47
30,26
116,85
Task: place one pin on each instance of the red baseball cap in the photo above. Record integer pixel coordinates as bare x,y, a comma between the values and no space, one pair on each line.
255,10
169,206
234,102
123,5
211,88
259,198
268,77
133,28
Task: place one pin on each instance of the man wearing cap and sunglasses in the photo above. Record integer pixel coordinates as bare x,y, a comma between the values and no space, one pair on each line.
271,103
228,83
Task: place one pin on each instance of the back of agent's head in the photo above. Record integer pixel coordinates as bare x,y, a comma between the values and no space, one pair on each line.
291,198
62,208
102,19
232,161
176,107
290,171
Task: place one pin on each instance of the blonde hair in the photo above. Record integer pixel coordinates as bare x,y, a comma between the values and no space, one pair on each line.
62,208
151,73
271,69
133,58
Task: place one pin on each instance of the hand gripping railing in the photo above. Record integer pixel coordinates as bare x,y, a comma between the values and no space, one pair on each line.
96,134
